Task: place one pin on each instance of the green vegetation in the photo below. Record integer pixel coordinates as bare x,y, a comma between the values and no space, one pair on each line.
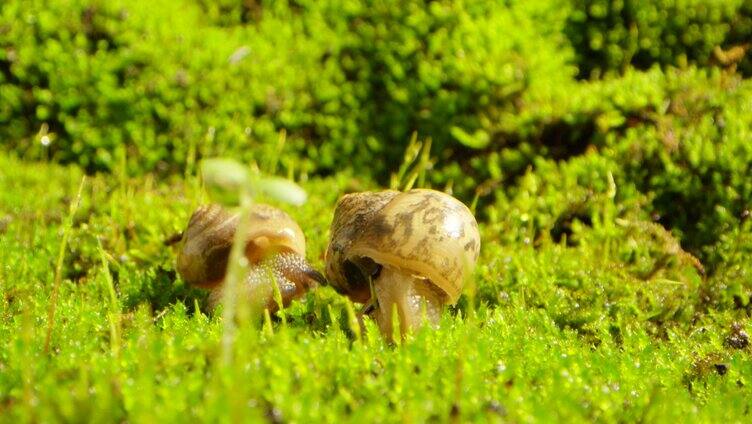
612,35
605,145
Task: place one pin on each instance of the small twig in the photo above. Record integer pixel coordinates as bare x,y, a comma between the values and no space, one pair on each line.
161,314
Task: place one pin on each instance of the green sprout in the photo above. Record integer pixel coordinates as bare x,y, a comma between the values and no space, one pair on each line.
233,184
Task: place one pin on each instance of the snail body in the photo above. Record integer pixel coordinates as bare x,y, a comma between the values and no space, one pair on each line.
275,250
415,248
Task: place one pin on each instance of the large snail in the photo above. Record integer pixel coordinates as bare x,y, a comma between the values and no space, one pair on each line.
275,250
412,251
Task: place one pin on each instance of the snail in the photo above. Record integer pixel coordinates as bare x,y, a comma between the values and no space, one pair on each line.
406,250
275,250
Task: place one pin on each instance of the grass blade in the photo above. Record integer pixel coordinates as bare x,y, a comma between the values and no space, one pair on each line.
59,265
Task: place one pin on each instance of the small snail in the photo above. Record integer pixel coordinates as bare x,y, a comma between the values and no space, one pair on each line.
275,248
416,248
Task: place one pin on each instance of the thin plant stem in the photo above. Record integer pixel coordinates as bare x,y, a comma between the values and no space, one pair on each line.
59,265
114,315
236,273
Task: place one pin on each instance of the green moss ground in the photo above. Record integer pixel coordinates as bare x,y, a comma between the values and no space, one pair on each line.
612,323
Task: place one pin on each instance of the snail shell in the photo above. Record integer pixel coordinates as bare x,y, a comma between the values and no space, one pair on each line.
274,241
208,239
420,233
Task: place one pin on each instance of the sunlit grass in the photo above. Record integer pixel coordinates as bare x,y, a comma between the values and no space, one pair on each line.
552,332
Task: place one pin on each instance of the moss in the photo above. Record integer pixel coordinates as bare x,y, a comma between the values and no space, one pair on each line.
607,322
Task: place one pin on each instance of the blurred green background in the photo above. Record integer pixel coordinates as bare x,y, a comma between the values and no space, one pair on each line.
653,92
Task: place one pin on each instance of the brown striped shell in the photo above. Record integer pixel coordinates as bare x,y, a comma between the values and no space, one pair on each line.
425,232
206,243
